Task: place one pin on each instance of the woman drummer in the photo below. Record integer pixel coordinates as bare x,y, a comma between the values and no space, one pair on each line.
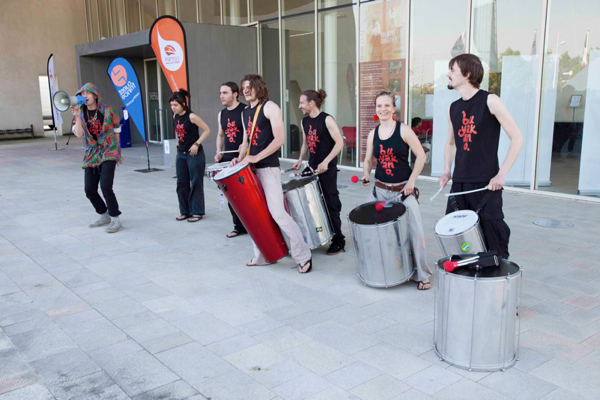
388,144
190,163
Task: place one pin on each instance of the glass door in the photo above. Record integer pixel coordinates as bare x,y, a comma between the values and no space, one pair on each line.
155,113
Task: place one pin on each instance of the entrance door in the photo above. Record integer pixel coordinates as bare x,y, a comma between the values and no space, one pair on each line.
158,114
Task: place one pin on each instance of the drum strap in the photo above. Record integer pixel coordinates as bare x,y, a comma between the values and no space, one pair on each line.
253,127
485,199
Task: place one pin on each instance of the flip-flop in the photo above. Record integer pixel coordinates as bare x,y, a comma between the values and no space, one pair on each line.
252,263
195,218
300,267
235,233
421,285
182,217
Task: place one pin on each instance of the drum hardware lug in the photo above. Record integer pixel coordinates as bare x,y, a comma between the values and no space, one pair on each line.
241,179
224,188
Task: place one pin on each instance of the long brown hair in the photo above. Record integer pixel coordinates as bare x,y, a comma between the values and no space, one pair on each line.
317,96
257,83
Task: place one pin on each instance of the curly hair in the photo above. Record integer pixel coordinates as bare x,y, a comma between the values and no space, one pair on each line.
257,83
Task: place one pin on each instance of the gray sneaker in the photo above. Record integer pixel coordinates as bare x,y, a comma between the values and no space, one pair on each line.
103,220
115,225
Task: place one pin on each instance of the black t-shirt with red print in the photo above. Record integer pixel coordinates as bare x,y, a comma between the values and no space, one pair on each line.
262,136
392,157
231,123
186,132
94,121
318,139
476,135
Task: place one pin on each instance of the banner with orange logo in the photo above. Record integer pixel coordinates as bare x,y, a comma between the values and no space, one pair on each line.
167,38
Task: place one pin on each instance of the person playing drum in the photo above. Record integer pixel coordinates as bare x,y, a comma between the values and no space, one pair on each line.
474,122
263,138
229,137
388,144
322,140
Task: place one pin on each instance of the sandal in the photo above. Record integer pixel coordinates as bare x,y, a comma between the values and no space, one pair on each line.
253,263
422,285
301,267
195,218
183,217
235,233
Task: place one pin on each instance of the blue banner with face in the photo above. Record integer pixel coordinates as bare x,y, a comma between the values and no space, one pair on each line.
127,85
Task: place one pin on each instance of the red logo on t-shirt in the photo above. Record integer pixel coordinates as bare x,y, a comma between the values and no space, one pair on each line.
465,131
256,132
387,160
231,131
95,128
312,139
180,131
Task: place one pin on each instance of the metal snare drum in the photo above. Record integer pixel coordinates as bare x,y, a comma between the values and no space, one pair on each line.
475,316
382,244
459,233
306,206
213,169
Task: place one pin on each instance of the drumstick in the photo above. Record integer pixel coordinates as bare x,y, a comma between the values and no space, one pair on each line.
467,192
436,193
229,151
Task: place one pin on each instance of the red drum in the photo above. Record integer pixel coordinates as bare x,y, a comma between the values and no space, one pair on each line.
245,194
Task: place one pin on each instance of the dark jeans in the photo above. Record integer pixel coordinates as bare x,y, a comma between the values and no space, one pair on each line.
328,181
190,169
491,218
103,174
237,224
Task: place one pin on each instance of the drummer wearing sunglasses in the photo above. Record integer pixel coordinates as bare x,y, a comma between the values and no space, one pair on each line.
263,138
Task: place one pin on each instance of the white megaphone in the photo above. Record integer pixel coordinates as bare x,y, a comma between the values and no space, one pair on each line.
62,101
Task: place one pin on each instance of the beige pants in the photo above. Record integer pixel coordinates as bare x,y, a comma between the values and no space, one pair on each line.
270,179
415,228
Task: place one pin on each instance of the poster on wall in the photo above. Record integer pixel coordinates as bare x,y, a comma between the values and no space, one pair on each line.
167,38
382,62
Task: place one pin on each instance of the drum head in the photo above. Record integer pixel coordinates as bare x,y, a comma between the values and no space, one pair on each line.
456,223
227,172
505,268
367,214
297,183
217,166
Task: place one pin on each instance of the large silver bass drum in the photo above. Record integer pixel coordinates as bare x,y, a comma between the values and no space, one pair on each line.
382,245
305,204
476,312
459,233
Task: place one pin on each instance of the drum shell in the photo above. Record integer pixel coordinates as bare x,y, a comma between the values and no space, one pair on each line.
306,206
451,245
475,321
382,252
245,194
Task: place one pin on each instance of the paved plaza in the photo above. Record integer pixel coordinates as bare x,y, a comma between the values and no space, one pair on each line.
168,310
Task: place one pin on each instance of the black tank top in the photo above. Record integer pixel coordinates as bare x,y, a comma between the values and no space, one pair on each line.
392,157
231,123
185,131
319,140
476,134
262,137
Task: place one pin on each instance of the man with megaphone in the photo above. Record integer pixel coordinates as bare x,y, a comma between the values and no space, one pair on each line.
99,124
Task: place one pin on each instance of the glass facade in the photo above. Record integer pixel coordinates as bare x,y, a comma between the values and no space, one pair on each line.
541,57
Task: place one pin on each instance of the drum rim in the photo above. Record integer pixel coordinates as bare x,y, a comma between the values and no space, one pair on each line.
313,179
460,233
376,225
233,173
471,278
211,166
